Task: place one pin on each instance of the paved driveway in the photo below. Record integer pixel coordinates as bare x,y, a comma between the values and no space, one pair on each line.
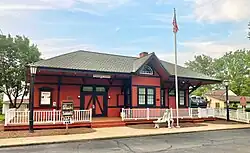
230,141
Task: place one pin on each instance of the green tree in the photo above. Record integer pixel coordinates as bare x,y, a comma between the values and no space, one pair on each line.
205,65
16,53
233,66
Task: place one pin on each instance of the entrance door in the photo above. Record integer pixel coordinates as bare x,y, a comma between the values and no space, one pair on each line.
95,98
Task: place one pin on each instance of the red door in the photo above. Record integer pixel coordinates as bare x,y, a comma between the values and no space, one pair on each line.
88,101
97,100
99,104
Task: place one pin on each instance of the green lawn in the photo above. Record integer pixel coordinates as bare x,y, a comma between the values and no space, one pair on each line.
1,117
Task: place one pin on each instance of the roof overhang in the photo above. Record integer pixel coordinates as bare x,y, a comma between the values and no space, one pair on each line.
198,80
54,69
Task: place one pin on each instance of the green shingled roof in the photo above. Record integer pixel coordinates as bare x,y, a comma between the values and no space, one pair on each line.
93,61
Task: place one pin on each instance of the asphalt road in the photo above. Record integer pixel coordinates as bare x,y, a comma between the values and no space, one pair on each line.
231,141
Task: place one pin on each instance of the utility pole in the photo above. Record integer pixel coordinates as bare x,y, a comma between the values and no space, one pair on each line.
1,32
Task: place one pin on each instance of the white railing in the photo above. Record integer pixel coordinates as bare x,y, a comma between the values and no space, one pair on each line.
82,115
45,117
141,113
220,113
182,113
208,112
9,115
154,113
234,115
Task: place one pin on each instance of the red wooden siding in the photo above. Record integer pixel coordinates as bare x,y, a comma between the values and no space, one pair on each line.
172,103
46,79
145,81
70,91
158,97
149,82
134,96
115,94
114,112
73,91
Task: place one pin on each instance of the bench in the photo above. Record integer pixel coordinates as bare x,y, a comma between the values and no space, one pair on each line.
164,119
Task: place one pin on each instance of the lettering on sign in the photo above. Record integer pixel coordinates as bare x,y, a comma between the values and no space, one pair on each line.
45,97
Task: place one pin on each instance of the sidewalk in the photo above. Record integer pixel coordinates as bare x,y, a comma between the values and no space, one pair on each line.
115,132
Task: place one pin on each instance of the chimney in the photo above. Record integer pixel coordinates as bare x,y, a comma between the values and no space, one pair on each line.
142,54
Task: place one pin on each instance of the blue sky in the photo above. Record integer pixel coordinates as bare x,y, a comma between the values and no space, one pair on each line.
127,27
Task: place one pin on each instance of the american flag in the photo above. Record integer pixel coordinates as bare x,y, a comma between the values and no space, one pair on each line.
175,26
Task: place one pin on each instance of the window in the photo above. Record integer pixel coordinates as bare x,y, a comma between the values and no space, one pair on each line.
181,98
150,96
147,70
87,89
100,89
172,92
146,96
217,105
142,96
162,97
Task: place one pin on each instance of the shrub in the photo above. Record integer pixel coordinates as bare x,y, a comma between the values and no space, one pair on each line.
247,109
233,107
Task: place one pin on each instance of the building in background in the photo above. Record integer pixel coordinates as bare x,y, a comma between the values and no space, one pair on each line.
6,103
217,99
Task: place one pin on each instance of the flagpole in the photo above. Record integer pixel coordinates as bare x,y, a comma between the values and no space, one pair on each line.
176,79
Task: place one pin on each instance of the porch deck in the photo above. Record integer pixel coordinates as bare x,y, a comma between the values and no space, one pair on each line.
99,122
18,120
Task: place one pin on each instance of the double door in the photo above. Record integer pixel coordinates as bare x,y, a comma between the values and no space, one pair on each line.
96,98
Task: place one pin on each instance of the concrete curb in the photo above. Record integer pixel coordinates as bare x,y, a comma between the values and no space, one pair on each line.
115,137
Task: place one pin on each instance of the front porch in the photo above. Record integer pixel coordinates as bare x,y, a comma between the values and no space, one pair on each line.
19,120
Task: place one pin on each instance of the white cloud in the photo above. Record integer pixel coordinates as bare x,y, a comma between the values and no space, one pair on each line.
89,11
221,10
188,49
26,5
87,6
55,46
109,3
212,49
117,29
25,13
51,47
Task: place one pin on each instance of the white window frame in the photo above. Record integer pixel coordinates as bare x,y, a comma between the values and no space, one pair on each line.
147,70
